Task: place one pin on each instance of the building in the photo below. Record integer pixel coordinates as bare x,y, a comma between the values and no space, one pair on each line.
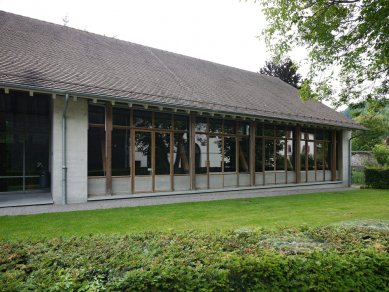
85,117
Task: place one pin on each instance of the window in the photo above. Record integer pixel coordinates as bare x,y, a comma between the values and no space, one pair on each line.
143,153
244,157
258,155
121,163
162,153
280,154
215,154
142,119
181,153
269,155
163,121
229,154
96,141
201,153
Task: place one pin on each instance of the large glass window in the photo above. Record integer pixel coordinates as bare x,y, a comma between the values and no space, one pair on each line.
162,153
163,120
269,155
229,154
258,155
215,154
201,153
244,154
96,141
24,141
280,154
142,119
181,153
143,163
121,162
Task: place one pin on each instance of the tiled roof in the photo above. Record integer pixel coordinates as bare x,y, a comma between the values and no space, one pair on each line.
39,54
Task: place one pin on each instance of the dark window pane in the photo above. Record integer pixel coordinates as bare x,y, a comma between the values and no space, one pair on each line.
215,154
229,127
229,154
328,155
163,120
303,135
310,135
319,156
268,131
215,125
303,155
259,130
181,153
290,155
121,163
201,153
244,157
258,155
244,128
96,114
121,117
280,132
322,135
289,134
11,184
143,153
280,154
181,123
311,158
96,152
162,153
142,119
201,124
269,155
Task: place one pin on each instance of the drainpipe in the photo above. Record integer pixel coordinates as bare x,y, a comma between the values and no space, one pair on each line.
64,167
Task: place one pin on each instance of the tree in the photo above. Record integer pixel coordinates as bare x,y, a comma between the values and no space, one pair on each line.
347,43
285,70
378,129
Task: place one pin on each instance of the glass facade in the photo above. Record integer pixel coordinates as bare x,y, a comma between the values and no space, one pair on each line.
24,142
154,151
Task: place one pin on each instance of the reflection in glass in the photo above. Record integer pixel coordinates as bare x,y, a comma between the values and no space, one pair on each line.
142,119
162,153
181,123
215,125
244,157
280,132
269,155
121,117
259,130
258,155
215,154
280,154
229,154
311,155
244,128
328,155
121,163
319,156
96,151
201,124
181,153
201,153
143,153
268,131
290,155
163,120
229,127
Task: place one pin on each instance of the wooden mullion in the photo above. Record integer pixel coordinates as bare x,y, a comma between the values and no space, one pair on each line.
153,160
263,160
192,152
315,158
172,160
286,157
252,153
237,159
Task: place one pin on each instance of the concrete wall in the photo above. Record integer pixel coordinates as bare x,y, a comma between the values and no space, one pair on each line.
344,155
77,151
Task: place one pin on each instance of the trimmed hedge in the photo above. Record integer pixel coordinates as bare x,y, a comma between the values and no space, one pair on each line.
320,259
377,178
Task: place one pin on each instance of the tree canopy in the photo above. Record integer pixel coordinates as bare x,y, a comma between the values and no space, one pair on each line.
346,39
286,71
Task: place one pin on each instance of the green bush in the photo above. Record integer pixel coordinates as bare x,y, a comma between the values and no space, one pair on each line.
377,178
381,153
320,259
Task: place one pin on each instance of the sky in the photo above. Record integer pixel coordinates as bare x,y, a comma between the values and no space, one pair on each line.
222,31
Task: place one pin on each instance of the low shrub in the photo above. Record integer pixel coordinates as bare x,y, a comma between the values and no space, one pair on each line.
377,178
381,153
336,258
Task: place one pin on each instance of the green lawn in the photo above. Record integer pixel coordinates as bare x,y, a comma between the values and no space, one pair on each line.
271,212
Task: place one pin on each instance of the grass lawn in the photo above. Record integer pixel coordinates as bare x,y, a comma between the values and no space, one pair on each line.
272,212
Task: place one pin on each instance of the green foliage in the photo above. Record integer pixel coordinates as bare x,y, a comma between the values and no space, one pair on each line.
377,178
378,129
381,153
358,177
285,70
337,259
345,38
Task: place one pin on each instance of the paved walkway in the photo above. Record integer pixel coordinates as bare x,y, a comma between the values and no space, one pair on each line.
160,200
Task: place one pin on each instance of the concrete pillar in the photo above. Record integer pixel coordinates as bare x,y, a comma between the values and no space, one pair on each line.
77,151
344,157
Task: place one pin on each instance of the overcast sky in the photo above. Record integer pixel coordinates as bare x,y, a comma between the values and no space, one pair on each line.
222,31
